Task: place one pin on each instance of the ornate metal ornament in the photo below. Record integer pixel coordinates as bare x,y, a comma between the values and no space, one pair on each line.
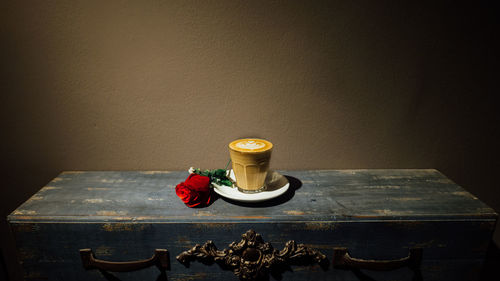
252,258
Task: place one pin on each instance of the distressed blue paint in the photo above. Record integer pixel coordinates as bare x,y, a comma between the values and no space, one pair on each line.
376,214
322,195
444,243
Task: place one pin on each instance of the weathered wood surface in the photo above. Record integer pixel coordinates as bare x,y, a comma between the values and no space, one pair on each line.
352,195
453,250
376,214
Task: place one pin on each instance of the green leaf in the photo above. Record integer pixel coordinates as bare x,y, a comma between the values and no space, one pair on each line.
226,182
219,173
217,176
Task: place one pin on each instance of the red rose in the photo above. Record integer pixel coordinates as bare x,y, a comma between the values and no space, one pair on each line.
195,191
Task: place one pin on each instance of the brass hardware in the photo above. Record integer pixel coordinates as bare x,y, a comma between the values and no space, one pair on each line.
252,258
342,259
160,258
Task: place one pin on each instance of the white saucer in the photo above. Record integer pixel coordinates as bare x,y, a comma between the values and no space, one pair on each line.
275,185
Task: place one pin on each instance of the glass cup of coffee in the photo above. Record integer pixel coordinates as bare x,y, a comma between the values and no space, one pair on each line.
250,161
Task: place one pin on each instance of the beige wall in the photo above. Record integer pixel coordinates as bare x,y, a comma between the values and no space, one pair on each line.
139,85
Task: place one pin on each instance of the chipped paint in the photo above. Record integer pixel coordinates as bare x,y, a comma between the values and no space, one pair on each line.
35,198
250,217
124,226
155,199
392,177
294,213
111,213
302,193
50,188
25,218
384,212
97,188
96,200
155,172
464,193
142,218
111,180
72,172
123,218
405,199
24,212
57,179
214,225
442,180
387,212
345,172
203,214
385,187
185,242
103,251
484,210
309,181
319,226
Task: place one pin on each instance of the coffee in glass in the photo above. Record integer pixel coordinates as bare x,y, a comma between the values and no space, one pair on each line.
250,158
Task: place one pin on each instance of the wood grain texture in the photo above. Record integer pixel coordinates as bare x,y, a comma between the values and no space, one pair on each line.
376,214
352,195
52,249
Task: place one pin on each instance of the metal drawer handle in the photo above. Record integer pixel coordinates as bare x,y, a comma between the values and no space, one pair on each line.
160,259
342,259
252,258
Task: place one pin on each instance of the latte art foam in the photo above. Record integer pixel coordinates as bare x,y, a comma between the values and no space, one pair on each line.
250,145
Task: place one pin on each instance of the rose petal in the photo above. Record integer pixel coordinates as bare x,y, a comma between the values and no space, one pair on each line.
183,192
198,182
195,191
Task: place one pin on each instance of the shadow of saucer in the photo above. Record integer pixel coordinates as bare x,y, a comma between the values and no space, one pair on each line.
295,184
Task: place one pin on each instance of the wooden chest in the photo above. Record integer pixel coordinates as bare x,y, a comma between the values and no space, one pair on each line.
330,225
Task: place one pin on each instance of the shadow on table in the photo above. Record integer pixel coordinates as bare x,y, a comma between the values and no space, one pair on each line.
295,184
